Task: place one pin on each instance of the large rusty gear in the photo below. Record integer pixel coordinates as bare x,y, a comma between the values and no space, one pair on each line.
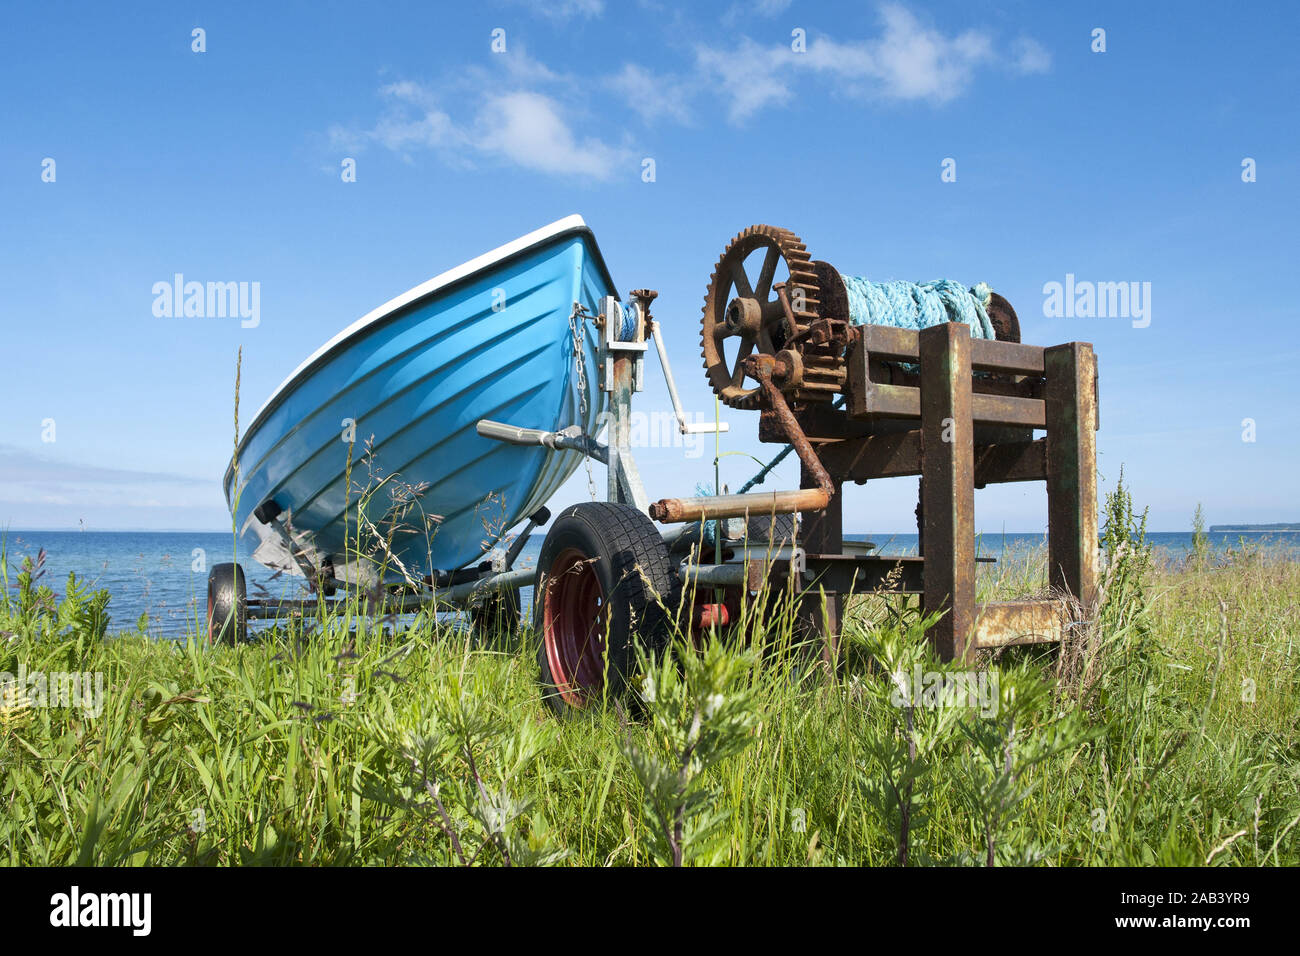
757,319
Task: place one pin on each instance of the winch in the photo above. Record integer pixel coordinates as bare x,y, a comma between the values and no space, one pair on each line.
868,380
800,312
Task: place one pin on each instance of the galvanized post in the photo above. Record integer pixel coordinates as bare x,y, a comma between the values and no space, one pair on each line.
948,488
620,424
1071,406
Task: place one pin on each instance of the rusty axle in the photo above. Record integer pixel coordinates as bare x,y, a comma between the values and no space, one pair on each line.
674,510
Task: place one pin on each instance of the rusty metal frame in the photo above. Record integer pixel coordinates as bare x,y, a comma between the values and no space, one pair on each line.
1071,372
948,483
962,418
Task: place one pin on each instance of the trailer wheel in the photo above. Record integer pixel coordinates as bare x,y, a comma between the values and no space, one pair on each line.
778,530
604,582
227,605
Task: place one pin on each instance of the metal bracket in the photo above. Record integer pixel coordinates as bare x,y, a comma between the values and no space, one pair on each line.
623,374
611,348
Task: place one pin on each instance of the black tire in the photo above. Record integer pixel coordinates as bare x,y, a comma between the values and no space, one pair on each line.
227,605
494,619
615,551
779,529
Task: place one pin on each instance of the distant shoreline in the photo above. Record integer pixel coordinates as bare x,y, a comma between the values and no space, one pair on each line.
1254,528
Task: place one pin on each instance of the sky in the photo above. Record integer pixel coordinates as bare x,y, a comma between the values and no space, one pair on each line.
979,142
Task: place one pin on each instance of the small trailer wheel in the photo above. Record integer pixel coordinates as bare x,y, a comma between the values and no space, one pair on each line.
776,530
227,605
604,582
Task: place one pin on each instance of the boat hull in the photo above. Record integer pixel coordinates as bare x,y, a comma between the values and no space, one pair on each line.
369,451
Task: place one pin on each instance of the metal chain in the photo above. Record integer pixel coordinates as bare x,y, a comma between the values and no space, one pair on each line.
577,325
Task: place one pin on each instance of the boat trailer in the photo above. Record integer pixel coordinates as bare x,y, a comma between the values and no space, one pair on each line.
853,402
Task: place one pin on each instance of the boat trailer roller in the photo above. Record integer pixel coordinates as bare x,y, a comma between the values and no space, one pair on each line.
492,383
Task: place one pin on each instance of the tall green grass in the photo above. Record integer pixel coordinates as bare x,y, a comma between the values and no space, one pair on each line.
1164,733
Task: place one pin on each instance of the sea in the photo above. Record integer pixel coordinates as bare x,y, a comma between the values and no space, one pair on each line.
159,578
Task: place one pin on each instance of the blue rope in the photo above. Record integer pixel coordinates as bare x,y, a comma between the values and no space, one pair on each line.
627,331
919,305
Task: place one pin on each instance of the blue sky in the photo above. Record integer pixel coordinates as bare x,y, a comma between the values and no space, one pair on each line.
1115,166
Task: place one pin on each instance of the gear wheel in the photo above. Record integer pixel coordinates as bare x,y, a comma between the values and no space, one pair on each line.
752,314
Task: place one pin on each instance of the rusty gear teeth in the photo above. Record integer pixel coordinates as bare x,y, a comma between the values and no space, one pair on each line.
763,325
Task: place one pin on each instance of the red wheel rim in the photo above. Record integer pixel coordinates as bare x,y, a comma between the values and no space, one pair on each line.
574,627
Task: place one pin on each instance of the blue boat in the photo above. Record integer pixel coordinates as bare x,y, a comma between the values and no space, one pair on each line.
385,412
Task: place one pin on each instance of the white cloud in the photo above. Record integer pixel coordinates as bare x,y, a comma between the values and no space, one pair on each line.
522,68
907,61
408,91
24,466
489,113
574,8
914,62
517,110
564,9
412,120
528,130
28,479
652,95
1031,56
739,12
751,76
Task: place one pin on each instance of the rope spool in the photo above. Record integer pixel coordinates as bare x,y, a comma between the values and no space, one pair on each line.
626,331
919,305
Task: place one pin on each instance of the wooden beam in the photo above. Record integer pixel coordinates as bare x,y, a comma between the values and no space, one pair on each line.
1005,623
877,400
899,456
1071,402
988,355
1010,461
948,489
893,455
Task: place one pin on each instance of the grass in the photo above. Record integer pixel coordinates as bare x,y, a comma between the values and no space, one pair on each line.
1164,734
